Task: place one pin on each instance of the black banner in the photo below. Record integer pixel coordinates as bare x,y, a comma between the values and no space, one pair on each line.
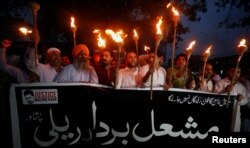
74,115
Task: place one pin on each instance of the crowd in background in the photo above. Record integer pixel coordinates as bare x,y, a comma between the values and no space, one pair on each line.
131,71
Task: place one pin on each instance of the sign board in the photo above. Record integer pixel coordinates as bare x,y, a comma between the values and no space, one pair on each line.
58,115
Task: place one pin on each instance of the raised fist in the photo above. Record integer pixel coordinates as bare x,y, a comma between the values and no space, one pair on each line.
6,43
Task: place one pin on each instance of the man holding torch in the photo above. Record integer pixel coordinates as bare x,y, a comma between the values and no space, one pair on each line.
224,86
231,85
130,76
80,69
154,67
207,84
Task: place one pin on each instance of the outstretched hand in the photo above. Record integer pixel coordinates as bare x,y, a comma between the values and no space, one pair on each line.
6,43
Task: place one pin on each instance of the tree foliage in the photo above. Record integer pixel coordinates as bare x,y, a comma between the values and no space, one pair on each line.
241,21
54,16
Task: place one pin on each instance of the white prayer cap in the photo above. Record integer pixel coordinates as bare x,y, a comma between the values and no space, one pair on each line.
53,49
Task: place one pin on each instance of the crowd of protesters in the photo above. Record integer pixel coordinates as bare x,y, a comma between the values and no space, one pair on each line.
134,71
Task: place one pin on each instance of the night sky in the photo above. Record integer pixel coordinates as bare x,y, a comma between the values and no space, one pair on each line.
54,19
207,31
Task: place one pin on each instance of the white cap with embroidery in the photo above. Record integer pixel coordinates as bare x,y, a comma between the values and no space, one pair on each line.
53,49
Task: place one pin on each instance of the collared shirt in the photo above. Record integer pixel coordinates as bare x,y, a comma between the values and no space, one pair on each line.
207,85
237,89
159,77
71,74
129,78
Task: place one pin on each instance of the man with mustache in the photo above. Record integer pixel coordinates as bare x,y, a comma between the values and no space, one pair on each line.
104,70
79,70
231,84
130,76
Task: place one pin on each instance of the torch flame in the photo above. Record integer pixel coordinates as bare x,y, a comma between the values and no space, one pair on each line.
174,10
208,50
25,31
169,5
190,47
136,37
101,41
242,47
176,13
206,54
158,26
72,23
96,31
242,43
146,48
117,37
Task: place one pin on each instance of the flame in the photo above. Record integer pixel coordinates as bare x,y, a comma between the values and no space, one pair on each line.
174,10
25,30
72,23
101,42
96,31
158,26
146,48
136,37
242,43
116,36
208,50
190,47
169,5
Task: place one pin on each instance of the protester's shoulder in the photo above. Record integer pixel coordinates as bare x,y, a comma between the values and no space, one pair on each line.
91,68
123,69
162,68
42,66
68,67
241,85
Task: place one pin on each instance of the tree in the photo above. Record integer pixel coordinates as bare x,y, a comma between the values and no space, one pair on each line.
228,22
54,16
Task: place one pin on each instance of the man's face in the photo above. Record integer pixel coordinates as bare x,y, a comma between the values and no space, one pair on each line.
96,58
82,57
131,59
54,58
208,71
231,72
65,61
106,58
29,98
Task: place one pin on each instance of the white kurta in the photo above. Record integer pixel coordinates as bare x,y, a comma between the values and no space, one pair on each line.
159,77
129,78
71,74
45,72
237,89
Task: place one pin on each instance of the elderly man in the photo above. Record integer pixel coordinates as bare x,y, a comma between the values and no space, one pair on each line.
46,72
79,70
